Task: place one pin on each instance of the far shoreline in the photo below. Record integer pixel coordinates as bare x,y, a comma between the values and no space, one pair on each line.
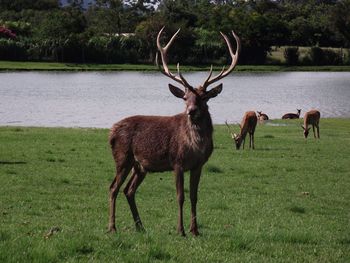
11,66
271,122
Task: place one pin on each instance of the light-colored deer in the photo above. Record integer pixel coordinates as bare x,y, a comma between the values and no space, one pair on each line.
247,125
292,115
311,117
262,116
180,143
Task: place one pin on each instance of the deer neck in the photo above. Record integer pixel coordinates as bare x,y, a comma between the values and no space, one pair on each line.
244,131
200,130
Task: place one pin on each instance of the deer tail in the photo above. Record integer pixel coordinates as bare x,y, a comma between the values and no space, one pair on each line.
112,137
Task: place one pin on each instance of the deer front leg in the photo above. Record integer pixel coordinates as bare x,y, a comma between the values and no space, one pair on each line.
179,180
318,131
313,129
250,141
194,182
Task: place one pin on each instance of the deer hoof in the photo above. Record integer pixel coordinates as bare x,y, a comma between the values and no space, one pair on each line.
112,229
140,228
194,232
181,232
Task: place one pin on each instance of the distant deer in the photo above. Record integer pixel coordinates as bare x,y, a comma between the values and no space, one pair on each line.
262,116
292,115
180,143
311,117
247,125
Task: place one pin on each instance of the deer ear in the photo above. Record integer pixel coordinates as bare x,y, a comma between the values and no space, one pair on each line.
213,92
177,92
302,127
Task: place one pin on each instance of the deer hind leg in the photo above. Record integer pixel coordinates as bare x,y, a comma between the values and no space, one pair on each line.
194,181
130,190
122,173
179,180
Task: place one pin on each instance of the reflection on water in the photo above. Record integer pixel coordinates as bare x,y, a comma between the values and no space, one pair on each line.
94,99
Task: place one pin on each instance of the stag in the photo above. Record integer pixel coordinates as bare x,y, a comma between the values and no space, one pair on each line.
178,143
247,125
262,116
311,118
292,115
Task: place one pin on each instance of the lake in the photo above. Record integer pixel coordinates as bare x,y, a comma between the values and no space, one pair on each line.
99,99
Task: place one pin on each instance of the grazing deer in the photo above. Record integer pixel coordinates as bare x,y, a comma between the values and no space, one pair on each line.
247,125
311,117
292,115
262,116
178,143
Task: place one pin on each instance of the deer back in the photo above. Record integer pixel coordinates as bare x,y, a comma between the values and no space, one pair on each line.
292,115
248,123
311,117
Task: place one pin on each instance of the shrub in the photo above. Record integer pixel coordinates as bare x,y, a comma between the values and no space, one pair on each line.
6,33
291,54
316,56
253,55
12,50
346,59
320,56
332,57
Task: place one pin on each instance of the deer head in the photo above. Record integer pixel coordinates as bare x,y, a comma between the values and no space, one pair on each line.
237,138
238,141
195,98
306,131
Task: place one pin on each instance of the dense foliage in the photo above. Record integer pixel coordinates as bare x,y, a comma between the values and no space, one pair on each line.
115,31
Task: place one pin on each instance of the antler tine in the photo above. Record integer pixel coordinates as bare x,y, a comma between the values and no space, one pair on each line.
228,126
234,57
210,73
186,84
163,53
172,39
229,129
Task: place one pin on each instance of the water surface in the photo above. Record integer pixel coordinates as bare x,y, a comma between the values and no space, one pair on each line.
95,99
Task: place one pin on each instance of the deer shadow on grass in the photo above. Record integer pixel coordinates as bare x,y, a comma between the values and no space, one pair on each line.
12,162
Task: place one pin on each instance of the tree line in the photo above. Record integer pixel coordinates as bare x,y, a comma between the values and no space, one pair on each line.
114,31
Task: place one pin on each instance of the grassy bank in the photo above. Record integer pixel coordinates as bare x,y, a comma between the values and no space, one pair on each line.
287,201
49,66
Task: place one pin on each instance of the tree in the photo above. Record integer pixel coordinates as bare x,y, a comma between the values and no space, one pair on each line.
58,30
18,5
112,11
178,12
340,16
147,32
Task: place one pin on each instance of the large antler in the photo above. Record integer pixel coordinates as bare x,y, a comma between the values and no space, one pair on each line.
165,70
210,80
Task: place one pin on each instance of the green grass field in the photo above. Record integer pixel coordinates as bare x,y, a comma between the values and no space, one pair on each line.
286,201
53,66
